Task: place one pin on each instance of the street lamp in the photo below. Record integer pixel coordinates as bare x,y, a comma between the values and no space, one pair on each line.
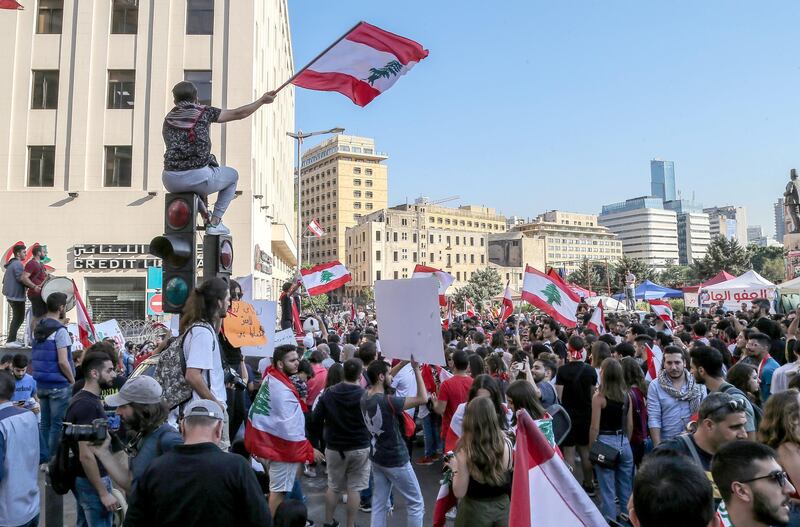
299,136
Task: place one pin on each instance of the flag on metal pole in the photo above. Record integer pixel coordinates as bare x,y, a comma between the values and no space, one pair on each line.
86,331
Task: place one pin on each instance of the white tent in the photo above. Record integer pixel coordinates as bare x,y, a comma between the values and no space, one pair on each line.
609,304
790,287
743,289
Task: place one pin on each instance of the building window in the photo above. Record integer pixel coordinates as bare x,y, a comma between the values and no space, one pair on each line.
481,242
356,205
377,275
404,236
200,17
414,237
414,256
396,275
472,258
45,90
458,258
121,85
48,20
368,182
369,206
457,241
394,256
41,166
202,81
377,236
377,256
481,258
356,193
458,275
125,17
368,171
368,194
357,182
356,170
394,236
118,166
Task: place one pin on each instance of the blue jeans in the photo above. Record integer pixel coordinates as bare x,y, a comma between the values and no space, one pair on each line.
616,482
204,181
405,481
431,428
91,512
54,403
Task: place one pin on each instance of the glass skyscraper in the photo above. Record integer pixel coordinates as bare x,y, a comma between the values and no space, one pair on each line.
662,179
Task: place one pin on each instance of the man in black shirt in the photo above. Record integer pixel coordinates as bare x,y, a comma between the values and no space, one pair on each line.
550,331
197,484
92,484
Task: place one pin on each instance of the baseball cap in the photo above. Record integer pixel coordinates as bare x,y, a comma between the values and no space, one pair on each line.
141,389
203,408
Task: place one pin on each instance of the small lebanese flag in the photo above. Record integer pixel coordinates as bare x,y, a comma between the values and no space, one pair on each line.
544,492
550,296
86,331
445,279
445,501
364,63
663,309
325,277
469,307
508,304
654,359
598,321
316,229
275,427
353,313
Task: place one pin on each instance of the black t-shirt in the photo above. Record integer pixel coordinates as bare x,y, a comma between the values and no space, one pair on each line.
678,444
183,152
578,380
559,348
84,408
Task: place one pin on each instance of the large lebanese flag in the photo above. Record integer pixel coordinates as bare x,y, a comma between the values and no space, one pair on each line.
275,428
598,321
445,279
364,63
663,309
550,296
86,331
508,304
325,277
544,492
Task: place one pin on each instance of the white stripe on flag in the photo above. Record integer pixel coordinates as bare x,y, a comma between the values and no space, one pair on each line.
285,419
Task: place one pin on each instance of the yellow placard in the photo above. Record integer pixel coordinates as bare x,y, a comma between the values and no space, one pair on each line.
242,327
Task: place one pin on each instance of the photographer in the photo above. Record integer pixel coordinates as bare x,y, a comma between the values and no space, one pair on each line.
140,406
92,490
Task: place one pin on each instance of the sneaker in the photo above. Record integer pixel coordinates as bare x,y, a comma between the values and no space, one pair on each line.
217,230
427,460
452,513
14,345
334,523
590,491
310,472
365,507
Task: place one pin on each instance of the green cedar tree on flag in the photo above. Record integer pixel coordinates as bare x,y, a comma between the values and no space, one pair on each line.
325,277
552,297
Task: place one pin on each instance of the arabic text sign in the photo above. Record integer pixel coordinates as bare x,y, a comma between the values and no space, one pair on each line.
734,298
242,327
265,310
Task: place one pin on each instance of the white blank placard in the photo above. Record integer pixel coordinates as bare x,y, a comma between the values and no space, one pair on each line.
408,319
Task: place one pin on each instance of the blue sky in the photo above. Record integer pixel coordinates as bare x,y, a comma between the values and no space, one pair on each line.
528,106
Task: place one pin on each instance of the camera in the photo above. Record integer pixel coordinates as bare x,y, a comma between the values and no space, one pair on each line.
94,433
233,377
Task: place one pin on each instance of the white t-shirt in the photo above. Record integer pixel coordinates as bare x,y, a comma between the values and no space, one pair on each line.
405,385
201,350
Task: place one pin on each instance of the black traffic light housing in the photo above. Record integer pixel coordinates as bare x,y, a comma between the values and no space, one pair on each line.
177,250
217,256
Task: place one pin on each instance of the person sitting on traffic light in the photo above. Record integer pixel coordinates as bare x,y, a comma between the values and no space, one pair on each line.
189,165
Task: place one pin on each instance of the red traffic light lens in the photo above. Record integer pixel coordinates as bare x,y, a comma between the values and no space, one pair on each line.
225,255
178,214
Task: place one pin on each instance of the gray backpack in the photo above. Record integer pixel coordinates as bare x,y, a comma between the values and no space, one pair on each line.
170,372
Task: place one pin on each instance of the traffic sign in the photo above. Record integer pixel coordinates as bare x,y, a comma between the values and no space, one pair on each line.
154,306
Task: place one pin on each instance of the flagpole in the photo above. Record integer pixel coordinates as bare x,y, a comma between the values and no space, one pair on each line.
304,68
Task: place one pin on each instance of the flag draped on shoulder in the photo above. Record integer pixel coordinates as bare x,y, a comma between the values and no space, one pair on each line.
598,321
663,310
445,279
544,492
362,64
508,304
316,229
275,428
325,277
550,296
654,359
86,331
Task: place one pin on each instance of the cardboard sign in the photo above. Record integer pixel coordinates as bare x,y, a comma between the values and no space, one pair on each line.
266,311
408,319
285,337
110,329
242,327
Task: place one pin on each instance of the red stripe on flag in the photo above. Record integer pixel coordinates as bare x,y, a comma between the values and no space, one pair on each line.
330,286
547,308
405,49
358,91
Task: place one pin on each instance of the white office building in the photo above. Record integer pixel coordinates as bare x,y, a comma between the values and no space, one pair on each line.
646,230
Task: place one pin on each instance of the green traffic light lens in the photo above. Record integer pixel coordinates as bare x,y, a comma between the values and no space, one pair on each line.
176,292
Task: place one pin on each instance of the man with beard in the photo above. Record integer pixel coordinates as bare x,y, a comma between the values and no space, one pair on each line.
757,350
391,463
139,405
753,485
673,398
201,321
275,432
92,485
543,371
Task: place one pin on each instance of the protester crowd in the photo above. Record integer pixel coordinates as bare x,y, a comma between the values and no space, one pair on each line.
694,423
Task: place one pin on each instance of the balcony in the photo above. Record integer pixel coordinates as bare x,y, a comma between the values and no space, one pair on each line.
283,245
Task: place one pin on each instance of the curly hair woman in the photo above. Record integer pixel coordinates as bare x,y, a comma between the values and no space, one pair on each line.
780,429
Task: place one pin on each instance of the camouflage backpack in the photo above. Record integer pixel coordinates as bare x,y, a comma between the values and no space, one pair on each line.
170,372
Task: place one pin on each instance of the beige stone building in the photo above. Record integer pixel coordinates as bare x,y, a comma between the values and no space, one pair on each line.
567,239
85,89
343,178
387,244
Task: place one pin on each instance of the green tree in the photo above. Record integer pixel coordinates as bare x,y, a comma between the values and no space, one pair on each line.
315,303
676,276
641,269
769,262
483,285
722,255
596,277
774,270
